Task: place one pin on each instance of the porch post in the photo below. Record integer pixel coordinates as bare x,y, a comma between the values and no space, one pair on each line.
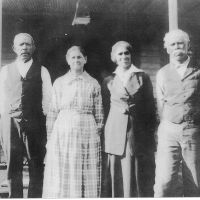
173,14
0,31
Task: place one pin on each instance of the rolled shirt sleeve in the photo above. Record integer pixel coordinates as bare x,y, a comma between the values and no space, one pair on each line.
53,109
3,76
160,92
4,117
46,90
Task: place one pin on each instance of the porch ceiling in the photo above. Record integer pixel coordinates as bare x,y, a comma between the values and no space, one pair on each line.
103,8
58,7
64,7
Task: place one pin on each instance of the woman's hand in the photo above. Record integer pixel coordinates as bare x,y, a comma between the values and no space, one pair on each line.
98,131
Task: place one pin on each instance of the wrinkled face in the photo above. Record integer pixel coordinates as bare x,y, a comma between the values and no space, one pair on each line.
23,47
123,57
177,48
76,60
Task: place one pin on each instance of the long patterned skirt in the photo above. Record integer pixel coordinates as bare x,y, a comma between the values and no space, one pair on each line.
73,160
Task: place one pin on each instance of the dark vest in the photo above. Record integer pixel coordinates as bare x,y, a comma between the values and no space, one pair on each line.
25,94
182,96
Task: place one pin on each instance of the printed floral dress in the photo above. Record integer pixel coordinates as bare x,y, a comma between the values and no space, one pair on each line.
74,123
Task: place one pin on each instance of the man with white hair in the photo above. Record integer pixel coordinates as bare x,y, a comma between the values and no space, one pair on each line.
178,96
25,89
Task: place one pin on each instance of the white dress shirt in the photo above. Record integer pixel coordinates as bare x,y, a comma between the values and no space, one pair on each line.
23,69
180,68
124,76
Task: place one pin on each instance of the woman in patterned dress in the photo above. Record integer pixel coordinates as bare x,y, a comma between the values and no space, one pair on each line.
74,123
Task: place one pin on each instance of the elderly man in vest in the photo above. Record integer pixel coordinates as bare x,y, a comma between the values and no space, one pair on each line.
178,95
25,89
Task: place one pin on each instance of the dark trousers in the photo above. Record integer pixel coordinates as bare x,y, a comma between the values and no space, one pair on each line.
24,142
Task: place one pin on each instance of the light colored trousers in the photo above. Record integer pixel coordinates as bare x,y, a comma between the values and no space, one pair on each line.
126,167
178,146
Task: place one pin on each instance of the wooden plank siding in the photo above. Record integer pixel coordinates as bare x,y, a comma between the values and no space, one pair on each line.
151,63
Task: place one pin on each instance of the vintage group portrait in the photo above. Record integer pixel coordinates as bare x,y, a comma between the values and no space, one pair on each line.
99,98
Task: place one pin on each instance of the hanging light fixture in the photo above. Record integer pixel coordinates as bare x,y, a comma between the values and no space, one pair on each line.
81,15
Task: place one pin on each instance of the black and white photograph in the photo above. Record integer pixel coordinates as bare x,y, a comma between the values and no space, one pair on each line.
99,98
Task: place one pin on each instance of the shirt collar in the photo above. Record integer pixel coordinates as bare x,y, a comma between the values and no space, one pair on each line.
184,64
82,76
132,69
20,63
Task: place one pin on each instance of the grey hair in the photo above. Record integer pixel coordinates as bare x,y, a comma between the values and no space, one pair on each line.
116,45
75,48
177,32
23,34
